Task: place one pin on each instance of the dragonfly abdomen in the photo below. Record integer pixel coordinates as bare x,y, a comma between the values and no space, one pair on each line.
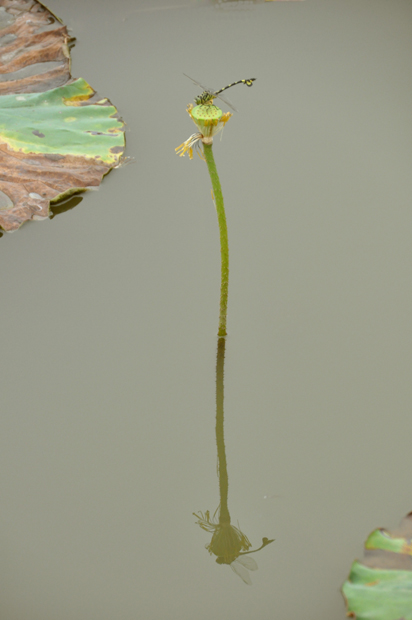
247,82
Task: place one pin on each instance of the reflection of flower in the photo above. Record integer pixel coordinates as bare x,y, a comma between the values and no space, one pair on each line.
229,544
209,119
227,541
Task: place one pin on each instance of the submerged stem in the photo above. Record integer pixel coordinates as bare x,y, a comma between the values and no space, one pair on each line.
224,244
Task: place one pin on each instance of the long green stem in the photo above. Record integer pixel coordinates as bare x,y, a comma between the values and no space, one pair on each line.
224,244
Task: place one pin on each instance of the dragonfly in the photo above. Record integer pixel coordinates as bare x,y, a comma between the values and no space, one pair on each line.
208,94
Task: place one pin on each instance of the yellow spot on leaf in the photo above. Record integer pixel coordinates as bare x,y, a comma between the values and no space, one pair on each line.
77,99
407,548
70,119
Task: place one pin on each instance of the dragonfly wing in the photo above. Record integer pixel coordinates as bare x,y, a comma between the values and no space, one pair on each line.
247,562
225,100
208,90
241,572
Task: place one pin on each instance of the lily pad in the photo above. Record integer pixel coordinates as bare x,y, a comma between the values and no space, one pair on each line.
57,135
380,587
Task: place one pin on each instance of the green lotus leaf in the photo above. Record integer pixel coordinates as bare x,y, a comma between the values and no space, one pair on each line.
57,135
380,587
62,121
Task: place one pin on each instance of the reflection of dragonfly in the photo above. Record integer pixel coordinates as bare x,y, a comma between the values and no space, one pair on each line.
240,565
209,94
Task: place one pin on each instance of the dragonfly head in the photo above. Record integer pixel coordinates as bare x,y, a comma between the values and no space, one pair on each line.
204,98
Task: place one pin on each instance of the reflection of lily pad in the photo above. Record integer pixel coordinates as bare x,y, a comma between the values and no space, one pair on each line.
57,137
380,587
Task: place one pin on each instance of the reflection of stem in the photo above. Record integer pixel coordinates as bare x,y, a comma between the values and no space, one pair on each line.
228,542
220,440
224,244
265,541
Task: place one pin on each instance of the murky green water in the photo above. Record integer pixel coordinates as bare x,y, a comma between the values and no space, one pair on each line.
110,310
